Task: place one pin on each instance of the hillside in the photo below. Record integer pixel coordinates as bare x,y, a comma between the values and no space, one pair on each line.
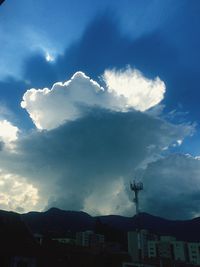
59,222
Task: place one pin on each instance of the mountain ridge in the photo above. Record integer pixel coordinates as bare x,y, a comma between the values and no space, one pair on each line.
58,222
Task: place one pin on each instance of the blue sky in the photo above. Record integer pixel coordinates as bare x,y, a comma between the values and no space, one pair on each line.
133,72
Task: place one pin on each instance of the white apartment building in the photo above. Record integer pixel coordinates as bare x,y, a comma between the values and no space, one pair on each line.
194,253
152,249
138,244
142,244
133,245
89,239
83,238
179,250
167,238
167,247
164,247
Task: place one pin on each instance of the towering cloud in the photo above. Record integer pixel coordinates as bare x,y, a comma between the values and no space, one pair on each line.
88,163
92,141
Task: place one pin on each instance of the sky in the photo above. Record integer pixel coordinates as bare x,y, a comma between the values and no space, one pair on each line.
94,94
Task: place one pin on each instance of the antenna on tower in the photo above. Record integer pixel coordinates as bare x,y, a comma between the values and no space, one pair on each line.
136,187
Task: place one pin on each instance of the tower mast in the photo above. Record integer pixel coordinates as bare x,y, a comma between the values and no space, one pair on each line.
136,187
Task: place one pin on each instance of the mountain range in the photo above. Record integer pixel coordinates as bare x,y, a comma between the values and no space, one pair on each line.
59,222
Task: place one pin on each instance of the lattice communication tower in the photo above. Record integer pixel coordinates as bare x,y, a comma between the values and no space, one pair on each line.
136,187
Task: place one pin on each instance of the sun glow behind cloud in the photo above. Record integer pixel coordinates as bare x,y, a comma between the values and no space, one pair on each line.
49,57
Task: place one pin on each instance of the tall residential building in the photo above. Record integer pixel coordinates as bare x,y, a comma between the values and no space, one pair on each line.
165,247
152,249
194,253
167,238
164,250
83,238
179,250
133,245
138,244
143,245
89,239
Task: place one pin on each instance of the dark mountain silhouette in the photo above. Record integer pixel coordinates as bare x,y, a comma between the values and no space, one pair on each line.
59,222
15,239
14,233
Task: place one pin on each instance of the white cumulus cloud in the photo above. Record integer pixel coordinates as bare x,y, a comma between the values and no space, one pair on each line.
139,92
8,133
16,193
49,108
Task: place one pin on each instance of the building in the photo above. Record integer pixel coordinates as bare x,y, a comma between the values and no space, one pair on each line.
65,240
133,246
89,239
179,250
167,238
165,249
83,238
146,247
138,244
194,253
152,249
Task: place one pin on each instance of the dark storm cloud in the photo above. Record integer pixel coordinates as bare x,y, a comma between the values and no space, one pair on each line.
96,153
172,187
